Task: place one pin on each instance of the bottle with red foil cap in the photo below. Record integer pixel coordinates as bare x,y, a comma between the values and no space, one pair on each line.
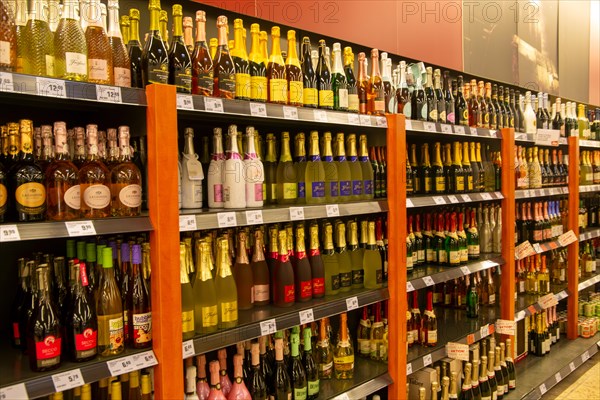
140,325
284,292
82,325
302,270
316,263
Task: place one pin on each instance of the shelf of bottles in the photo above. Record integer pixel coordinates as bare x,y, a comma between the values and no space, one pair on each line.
589,143
589,188
533,193
589,234
532,138
465,132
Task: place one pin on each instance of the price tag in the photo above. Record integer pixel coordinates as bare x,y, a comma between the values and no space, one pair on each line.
520,315
409,203
585,356
14,392
547,137
6,82
466,197
365,120
108,94
51,87
212,104
67,380
427,360
353,119
333,210
268,327
381,122
428,281
352,303
465,270
408,369
474,132
523,250
547,301
458,351
439,200
486,196
320,115
429,126
187,223
185,102
188,349
543,389
120,366
572,366
446,128
226,219
484,331
9,233
80,228
459,130
290,112
296,213
506,327
408,124
258,109
558,377
306,316
537,248
409,287
453,199
144,360
567,238
494,134
499,195
254,217
343,396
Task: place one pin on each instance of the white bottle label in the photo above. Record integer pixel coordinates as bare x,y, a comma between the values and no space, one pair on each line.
353,102
194,169
343,96
73,197
76,63
4,52
261,292
97,196
122,76
131,196
432,337
98,69
49,65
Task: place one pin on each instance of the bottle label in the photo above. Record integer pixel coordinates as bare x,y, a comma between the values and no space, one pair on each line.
441,256
318,286
440,184
158,73
290,190
357,277
310,96
126,319
537,235
218,193
229,311
590,265
273,191
345,279
5,52
187,321
110,331
205,83
379,105
335,282
492,299
76,63
469,187
325,369
318,189
343,98
16,333
258,192
142,328
47,351
353,102
407,110
333,187
409,337
379,276
512,383
450,118
49,65
433,115
295,94
258,88
122,77
447,299
278,90
344,363
243,88
131,196
325,98
261,292
409,262
97,196
368,186
72,197
306,290
301,190
313,388
226,84
86,343
432,337
460,183
474,250
345,188
98,69
357,188
31,198
300,394
3,199
430,256
428,184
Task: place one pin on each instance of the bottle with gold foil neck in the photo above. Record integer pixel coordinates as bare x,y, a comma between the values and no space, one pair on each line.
276,71
125,26
120,58
287,182
323,74
284,290
155,60
302,268
343,256
300,165
293,72
180,62
187,295
270,166
39,46
260,271
258,69
330,262
372,264
331,172
70,46
100,59
467,171
338,80
206,316
356,254
202,60
310,96
242,273
351,82
163,21
240,60
135,48
225,287
223,66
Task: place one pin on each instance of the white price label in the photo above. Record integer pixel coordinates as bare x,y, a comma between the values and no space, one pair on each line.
352,303
446,128
353,119
408,369
458,351
14,392
68,380
185,102
548,301
486,196
365,120
254,217
296,213
306,316
187,223
188,349
343,396
474,131
585,356
212,104
466,197
505,327
409,287
494,134
537,248
439,200
427,360
567,238
428,281
499,195
51,87
120,366
268,327
320,115
290,112
9,233
484,331
80,228
465,270
558,377
408,124
543,389
381,122
429,126
258,109
520,314
144,360
547,137
333,210
459,129
572,366
108,94
6,82
226,219
409,203
453,199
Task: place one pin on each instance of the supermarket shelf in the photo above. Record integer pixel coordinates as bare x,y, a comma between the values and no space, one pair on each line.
528,304
589,188
53,230
192,104
589,234
16,378
191,220
530,193
428,201
589,282
537,375
530,138
423,276
454,130
453,326
589,143
539,248
369,377
260,321
69,90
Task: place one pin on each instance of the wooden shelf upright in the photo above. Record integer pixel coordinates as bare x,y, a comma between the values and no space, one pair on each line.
573,248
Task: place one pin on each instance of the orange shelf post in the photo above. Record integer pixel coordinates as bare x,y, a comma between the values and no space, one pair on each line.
573,248
164,240
396,189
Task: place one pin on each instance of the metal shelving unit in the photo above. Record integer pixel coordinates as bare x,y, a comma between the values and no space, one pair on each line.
454,130
589,188
589,234
529,138
369,377
590,143
533,193
529,304
441,200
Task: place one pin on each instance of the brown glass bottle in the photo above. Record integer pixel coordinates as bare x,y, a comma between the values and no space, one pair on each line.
302,268
202,63
316,263
242,273
260,271
284,292
223,67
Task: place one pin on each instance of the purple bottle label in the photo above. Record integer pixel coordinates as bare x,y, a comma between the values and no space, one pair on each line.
318,189
136,254
315,158
357,188
333,186
301,190
328,158
368,187
363,159
352,158
345,188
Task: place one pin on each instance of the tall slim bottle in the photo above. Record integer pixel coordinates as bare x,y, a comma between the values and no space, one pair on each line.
187,295
100,58
343,258
331,173
242,273
254,173
372,263
139,304
38,41
330,262
287,182
109,308
315,173
343,354
276,71
120,58
302,268
258,68
310,97
367,170
351,82
339,84
155,60
354,165
70,46
191,174
284,290
234,184
375,94
270,165
202,62
225,285
215,172
293,72
206,316
134,47
180,62
239,56
316,264
324,83
345,179
356,255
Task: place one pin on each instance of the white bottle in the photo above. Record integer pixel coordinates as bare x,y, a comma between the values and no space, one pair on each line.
191,174
215,172
254,172
190,383
529,115
234,184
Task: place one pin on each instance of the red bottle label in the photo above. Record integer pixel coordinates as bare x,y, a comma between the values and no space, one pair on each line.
86,340
16,332
289,295
47,348
83,274
305,290
318,286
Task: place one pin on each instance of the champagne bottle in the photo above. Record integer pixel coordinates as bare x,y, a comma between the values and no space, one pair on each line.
257,67
316,263
297,372
343,355
39,46
300,166
223,377
276,71
109,308
140,325
356,173
302,268
510,365
70,45
377,350
202,61
238,390
499,376
258,386
155,60
284,291
339,84
234,185
492,376
260,271
330,262
187,295
223,66
343,258
429,335
323,352
215,172
356,254
504,368
282,383
345,179
331,172
205,297
293,72
134,47
351,83
227,304
367,170
315,173
287,182
254,173
242,273
310,97
192,174
120,57
372,264
180,62
324,83
216,392
270,166
375,94
240,61
202,386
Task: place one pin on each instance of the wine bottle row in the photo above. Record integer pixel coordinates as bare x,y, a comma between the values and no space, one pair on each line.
93,301
454,293
540,221
588,323
535,170
55,184
535,274
589,258
131,386
456,168
288,273
589,211
543,331
589,168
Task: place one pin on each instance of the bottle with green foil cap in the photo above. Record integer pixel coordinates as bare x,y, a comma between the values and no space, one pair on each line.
109,308
70,249
298,373
308,361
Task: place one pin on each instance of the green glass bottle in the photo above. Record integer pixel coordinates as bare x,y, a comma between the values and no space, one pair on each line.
338,80
287,183
300,164
331,172
343,170
356,255
330,262
452,243
356,174
367,169
472,299
373,267
344,259
314,176
225,286
270,166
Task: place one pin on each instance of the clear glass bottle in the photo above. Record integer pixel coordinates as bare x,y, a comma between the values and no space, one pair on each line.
70,45
258,71
293,72
315,173
94,180
100,58
225,286
120,57
234,184
343,353
287,182
205,298
126,181
215,172
192,174
39,43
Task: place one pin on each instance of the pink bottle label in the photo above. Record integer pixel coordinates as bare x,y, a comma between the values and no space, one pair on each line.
258,192
218,192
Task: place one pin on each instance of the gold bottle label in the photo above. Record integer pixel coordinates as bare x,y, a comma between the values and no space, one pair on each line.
278,90
310,96
326,98
258,88
210,316
3,198
243,87
229,311
290,191
30,195
187,321
110,331
296,92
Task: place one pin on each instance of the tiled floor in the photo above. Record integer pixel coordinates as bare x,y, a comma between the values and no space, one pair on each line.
582,384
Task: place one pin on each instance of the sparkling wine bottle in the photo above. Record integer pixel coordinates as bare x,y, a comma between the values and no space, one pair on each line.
134,47
234,184
180,62
155,60
126,181
70,45
202,386
225,286
216,392
223,66
120,57
82,325
238,390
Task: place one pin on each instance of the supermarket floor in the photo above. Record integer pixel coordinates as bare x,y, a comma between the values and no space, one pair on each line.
582,384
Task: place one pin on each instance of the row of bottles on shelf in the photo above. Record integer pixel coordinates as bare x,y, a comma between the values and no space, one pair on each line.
589,211
251,180
453,236
456,168
540,221
92,302
535,273
589,168
487,375
43,179
244,277
535,170
290,364
588,323
589,258
131,386
543,331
